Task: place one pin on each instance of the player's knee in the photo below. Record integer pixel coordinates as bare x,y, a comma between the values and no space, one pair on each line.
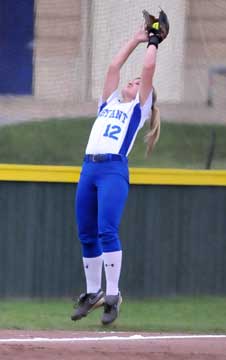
110,241
87,239
90,245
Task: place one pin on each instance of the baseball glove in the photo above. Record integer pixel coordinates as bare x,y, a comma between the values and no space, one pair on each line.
156,26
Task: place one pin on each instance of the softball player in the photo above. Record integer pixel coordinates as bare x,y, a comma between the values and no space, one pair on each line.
103,186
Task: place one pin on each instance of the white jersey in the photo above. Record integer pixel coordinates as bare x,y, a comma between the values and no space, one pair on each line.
117,124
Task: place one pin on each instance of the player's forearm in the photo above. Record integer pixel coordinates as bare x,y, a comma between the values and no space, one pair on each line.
150,57
124,53
147,73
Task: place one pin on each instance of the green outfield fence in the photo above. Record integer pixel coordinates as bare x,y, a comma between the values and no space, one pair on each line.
173,233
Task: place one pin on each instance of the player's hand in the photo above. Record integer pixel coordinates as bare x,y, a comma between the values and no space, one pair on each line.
141,35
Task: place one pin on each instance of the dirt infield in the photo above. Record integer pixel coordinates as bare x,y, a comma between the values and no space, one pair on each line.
54,345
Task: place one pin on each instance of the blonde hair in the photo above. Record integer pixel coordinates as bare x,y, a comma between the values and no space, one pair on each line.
153,134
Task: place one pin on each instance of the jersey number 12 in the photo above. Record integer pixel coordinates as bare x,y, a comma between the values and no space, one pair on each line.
112,131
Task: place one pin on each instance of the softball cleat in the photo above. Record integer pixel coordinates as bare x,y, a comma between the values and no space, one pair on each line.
86,303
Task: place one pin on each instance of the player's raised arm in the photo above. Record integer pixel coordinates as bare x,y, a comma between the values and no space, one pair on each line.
147,73
113,72
157,30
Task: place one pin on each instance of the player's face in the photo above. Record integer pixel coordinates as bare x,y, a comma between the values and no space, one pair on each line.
130,90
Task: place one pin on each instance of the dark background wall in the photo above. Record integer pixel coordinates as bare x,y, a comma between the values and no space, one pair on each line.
174,240
16,52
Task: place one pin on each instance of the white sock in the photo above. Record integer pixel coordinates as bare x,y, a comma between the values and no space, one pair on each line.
112,268
93,273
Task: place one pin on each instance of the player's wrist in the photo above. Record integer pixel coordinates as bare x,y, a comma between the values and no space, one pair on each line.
154,40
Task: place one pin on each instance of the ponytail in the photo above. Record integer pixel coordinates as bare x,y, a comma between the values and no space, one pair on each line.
152,136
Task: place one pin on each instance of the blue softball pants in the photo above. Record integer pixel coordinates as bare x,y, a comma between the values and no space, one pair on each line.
99,202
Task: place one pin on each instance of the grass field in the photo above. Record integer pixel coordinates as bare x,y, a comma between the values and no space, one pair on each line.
63,142
179,314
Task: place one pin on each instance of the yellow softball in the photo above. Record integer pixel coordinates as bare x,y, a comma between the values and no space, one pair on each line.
155,25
